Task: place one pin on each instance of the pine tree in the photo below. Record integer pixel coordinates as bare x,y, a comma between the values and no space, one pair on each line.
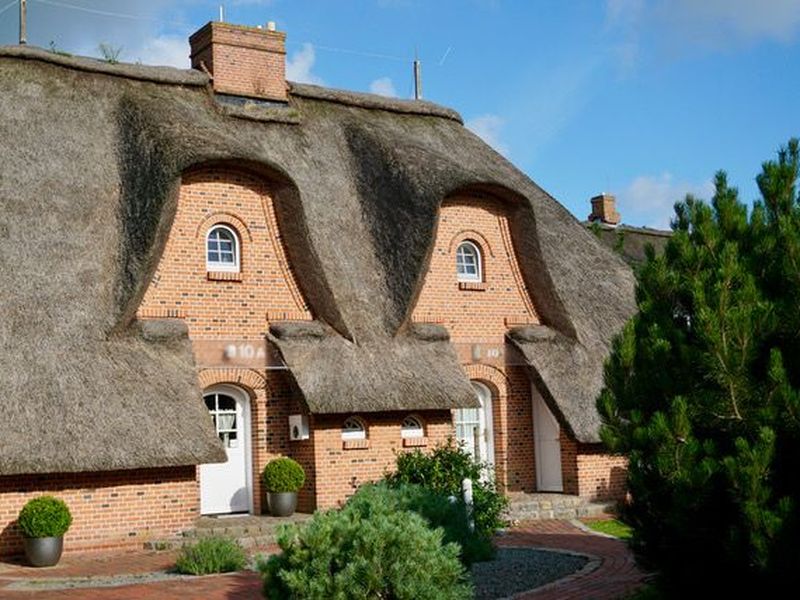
702,390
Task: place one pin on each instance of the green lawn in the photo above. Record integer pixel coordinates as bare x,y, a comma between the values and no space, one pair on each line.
611,527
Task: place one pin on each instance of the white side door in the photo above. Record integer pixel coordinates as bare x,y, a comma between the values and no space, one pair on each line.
546,434
225,487
474,429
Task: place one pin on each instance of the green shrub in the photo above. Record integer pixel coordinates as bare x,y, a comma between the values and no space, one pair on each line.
211,555
44,516
283,475
443,471
368,549
702,393
450,514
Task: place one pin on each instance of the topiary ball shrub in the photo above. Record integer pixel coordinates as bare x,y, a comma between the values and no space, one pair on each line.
211,555
367,549
443,470
44,516
283,475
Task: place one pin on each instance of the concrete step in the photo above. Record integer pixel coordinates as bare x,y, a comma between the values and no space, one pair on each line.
541,506
251,531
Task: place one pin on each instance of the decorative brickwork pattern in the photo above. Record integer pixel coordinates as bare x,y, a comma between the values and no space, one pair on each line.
475,315
225,309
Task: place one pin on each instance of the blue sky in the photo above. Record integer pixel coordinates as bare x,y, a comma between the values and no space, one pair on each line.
645,99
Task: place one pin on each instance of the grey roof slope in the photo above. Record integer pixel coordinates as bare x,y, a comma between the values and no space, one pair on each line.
630,241
100,152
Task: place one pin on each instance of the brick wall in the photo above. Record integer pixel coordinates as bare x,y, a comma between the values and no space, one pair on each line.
588,471
601,476
223,307
480,314
109,509
344,465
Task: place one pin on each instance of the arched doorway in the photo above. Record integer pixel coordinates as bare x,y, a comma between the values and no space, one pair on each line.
227,487
474,426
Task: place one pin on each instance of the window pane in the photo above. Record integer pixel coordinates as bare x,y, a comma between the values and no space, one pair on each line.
227,422
226,402
221,247
467,261
210,402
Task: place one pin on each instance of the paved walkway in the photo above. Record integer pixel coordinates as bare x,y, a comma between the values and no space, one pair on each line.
616,575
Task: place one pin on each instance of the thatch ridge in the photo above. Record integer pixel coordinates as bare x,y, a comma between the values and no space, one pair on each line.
168,75
373,101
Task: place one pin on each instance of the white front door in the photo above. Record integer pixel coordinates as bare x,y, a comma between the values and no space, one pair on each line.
474,431
225,487
546,435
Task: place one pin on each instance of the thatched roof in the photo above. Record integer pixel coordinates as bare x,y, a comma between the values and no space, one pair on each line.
357,182
338,376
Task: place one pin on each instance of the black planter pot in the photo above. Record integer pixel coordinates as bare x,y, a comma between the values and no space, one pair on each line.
282,504
43,552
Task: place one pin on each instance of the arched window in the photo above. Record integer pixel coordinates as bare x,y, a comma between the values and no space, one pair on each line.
412,427
353,429
468,262
222,249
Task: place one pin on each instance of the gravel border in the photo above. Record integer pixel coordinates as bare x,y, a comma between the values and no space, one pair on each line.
520,569
91,581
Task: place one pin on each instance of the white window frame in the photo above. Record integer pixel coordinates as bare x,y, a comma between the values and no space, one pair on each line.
220,266
479,262
349,432
412,427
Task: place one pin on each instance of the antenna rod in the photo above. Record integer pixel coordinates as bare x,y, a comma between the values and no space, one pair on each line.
417,79
23,29
221,13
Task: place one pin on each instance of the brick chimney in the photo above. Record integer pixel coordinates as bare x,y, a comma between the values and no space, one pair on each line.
604,210
243,61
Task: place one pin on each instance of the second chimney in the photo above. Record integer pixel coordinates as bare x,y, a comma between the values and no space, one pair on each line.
604,210
243,61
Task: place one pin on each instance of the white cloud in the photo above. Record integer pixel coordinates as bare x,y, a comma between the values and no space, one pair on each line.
649,199
683,26
623,24
623,12
383,86
299,65
727,21
489,127
167,50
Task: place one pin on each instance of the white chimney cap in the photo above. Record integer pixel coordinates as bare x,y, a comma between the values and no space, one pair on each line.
270,25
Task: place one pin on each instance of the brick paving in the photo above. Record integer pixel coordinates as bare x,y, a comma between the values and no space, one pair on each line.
615,577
